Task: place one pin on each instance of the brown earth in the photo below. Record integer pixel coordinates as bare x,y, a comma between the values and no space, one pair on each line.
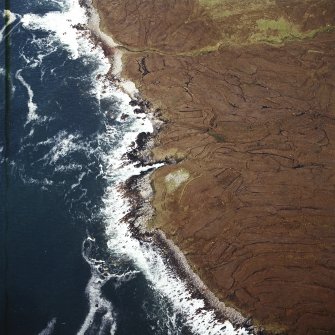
251,126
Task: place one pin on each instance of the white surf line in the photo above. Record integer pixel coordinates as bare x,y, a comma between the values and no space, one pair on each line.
59,23
61,27
145,255
32,107
148,259
49,328
94,24
116,171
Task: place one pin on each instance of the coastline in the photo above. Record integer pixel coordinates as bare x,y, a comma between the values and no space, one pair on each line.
140,192
258,133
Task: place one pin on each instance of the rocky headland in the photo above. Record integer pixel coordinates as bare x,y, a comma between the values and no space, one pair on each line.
246,92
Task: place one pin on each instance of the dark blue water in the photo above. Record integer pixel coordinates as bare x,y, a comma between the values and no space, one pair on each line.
46,275
67,264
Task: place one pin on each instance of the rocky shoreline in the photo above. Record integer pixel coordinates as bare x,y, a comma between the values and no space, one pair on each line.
248,117
138,189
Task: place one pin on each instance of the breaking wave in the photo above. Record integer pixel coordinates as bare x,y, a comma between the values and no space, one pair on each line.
145,257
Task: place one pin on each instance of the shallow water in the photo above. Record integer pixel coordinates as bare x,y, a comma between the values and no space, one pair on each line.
70,265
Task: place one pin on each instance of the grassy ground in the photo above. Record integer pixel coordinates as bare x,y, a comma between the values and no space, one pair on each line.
254,21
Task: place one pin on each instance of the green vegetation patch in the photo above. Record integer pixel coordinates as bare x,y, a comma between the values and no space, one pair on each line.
277,31
256,21
218,137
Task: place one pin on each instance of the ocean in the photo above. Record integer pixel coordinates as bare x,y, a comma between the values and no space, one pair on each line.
70,264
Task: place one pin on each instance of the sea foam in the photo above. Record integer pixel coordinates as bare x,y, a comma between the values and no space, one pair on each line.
116,170
32,107
49,328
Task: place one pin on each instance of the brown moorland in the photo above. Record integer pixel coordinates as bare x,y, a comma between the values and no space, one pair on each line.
247,93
